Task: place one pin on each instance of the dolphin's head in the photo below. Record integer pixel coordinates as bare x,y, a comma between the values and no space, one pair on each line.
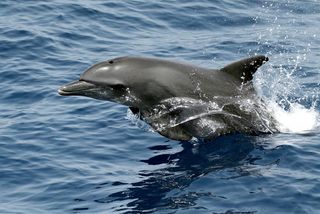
119,80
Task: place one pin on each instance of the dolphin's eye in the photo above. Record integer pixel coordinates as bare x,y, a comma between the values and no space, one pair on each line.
111,62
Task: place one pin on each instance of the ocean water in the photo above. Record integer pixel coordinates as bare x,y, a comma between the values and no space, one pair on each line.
79,155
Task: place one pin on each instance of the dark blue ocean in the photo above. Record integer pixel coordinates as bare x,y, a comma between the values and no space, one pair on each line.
80,155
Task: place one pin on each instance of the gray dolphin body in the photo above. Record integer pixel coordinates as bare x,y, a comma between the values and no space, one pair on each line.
225,99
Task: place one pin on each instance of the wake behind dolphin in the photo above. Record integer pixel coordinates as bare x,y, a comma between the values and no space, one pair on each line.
181,101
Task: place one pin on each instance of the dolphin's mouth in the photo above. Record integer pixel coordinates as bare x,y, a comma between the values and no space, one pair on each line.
76,88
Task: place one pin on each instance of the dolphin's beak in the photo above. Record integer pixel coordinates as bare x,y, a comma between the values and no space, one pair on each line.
76,88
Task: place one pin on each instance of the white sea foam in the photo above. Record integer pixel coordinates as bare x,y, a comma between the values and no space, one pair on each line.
297,119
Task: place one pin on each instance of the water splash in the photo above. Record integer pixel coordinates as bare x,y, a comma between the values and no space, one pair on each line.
293,106
286,84
298,119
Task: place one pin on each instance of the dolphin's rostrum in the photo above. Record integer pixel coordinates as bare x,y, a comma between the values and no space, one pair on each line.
178,100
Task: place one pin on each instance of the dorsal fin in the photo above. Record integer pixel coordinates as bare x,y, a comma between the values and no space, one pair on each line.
245,68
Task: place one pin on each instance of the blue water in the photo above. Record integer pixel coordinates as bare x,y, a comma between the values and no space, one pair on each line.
79,155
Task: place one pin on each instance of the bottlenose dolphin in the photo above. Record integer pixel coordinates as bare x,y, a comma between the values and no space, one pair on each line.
178,100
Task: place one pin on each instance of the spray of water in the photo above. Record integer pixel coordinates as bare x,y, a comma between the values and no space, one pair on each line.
298,119
286,83
294,108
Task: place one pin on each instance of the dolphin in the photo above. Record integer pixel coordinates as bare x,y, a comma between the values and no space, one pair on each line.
179,100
